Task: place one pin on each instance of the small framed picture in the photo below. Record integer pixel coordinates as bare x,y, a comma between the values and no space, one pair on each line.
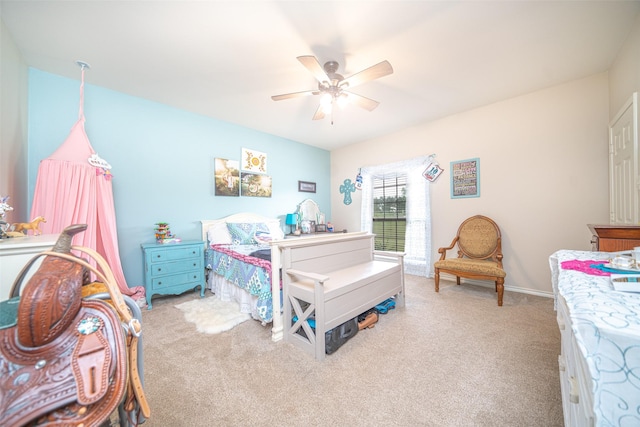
305,226
321,228
306,187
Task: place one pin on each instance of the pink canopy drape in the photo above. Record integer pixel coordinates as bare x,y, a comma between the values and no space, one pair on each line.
71,190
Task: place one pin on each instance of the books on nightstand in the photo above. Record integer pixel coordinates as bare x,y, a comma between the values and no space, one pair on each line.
625,282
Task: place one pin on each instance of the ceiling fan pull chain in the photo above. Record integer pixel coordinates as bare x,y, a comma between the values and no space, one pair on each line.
332,113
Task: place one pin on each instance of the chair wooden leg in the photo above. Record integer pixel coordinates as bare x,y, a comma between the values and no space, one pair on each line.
437,280
458,280
500,288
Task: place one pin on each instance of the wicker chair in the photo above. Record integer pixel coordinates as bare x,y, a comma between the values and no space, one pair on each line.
479,254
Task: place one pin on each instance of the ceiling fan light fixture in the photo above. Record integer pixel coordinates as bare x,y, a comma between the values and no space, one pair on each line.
326,99
332,86
342,99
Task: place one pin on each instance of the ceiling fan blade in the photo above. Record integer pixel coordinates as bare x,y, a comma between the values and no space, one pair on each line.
361,101
312,64
294,95
320,113
381,69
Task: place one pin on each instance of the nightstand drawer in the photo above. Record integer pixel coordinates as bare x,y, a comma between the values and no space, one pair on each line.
161,269
168,253
180,279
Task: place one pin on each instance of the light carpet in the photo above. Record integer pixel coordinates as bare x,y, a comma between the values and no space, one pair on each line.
212,315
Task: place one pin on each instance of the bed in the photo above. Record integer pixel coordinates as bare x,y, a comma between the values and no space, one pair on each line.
238,258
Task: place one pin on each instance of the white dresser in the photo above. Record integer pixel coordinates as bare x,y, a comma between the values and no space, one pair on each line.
599,360
15,253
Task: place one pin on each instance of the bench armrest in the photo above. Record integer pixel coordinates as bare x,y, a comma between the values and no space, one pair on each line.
387,255
308,275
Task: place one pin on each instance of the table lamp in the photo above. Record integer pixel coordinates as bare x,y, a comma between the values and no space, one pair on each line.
292,219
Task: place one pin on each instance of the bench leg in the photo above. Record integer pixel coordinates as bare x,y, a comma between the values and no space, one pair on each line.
301,322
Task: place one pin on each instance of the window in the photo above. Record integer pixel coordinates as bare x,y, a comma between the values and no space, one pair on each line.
412,217
390,211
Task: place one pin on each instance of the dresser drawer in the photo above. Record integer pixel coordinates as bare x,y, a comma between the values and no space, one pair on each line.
161,269
174,253
177,280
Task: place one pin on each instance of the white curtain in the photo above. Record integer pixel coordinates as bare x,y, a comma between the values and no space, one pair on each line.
417,243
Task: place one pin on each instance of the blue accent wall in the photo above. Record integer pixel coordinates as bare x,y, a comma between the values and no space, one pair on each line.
162,160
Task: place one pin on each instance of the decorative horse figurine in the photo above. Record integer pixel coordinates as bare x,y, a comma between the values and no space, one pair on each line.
33,225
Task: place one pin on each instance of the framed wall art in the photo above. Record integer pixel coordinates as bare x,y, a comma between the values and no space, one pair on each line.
254,161
465,178
226,177
306,187
255,185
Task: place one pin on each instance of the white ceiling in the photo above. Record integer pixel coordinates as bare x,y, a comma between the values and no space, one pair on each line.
224,59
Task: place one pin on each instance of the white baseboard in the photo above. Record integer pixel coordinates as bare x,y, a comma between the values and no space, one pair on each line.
488,284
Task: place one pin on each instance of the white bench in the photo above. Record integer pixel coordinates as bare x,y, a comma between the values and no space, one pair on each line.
334,279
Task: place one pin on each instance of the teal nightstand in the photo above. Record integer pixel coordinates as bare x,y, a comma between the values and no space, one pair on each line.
173,268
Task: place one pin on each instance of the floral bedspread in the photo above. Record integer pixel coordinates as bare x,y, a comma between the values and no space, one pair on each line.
236,265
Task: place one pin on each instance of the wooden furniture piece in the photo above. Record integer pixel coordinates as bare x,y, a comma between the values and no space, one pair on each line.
333,280
15,253
614,238
599,344
479,254
173,268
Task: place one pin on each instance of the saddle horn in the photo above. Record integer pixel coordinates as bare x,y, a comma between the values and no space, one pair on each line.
52,296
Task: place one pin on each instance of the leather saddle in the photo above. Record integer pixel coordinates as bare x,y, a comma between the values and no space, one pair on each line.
65,360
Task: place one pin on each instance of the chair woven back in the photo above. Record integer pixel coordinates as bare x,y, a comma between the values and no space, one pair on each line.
478,237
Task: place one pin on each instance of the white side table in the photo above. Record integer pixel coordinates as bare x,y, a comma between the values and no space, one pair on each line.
14,255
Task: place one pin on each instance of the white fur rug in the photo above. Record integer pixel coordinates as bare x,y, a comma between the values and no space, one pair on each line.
212,315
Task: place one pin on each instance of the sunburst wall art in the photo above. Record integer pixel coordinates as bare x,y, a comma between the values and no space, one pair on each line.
254,161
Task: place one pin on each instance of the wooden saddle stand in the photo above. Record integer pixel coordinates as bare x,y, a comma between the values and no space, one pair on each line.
65,360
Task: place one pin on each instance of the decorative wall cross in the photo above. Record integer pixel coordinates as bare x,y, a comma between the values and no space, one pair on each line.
347,188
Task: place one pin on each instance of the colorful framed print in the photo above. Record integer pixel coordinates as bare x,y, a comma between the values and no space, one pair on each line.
254,161
465,178
255,185
226,177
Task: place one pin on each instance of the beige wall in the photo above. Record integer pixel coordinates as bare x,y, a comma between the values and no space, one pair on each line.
543,171
13,126
624,74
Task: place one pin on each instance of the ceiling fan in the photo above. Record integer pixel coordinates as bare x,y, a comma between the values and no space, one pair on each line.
332,87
